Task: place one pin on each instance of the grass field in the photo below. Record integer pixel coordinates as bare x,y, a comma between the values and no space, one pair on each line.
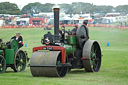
114,69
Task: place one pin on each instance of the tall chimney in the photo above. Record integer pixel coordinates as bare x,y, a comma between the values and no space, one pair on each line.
56,24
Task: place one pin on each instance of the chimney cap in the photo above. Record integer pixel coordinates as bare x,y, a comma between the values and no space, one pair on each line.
56,9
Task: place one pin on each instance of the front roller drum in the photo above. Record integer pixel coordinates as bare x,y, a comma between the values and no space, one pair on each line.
47,64
2,64
92,55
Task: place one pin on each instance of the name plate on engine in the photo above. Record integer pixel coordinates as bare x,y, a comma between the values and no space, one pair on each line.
47,48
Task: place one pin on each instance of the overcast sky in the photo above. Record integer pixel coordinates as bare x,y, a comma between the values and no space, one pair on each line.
114,3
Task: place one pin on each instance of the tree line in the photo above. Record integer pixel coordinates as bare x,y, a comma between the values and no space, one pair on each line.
9,8
73,8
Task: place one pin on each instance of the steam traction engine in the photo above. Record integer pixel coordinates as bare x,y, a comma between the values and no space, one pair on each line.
63,53
12,56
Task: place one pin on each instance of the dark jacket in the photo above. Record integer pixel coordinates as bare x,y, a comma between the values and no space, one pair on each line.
19,39
87,31
74,31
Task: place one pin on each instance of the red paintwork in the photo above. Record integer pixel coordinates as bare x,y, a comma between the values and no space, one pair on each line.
32,19
54,48
85,37
83,58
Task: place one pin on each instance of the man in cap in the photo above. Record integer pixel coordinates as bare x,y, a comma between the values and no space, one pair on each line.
74,30
19,39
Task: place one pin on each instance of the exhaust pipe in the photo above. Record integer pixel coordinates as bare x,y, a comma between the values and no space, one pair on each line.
56,24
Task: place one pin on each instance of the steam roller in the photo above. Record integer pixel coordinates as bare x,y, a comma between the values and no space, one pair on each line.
12,56
64,51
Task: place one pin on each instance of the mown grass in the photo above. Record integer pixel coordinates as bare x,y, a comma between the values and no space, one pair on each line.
114,69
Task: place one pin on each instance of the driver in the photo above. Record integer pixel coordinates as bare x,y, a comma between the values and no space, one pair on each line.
62,33
86,28
19,38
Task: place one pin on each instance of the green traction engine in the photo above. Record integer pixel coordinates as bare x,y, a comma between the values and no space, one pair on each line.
62,52
12,56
